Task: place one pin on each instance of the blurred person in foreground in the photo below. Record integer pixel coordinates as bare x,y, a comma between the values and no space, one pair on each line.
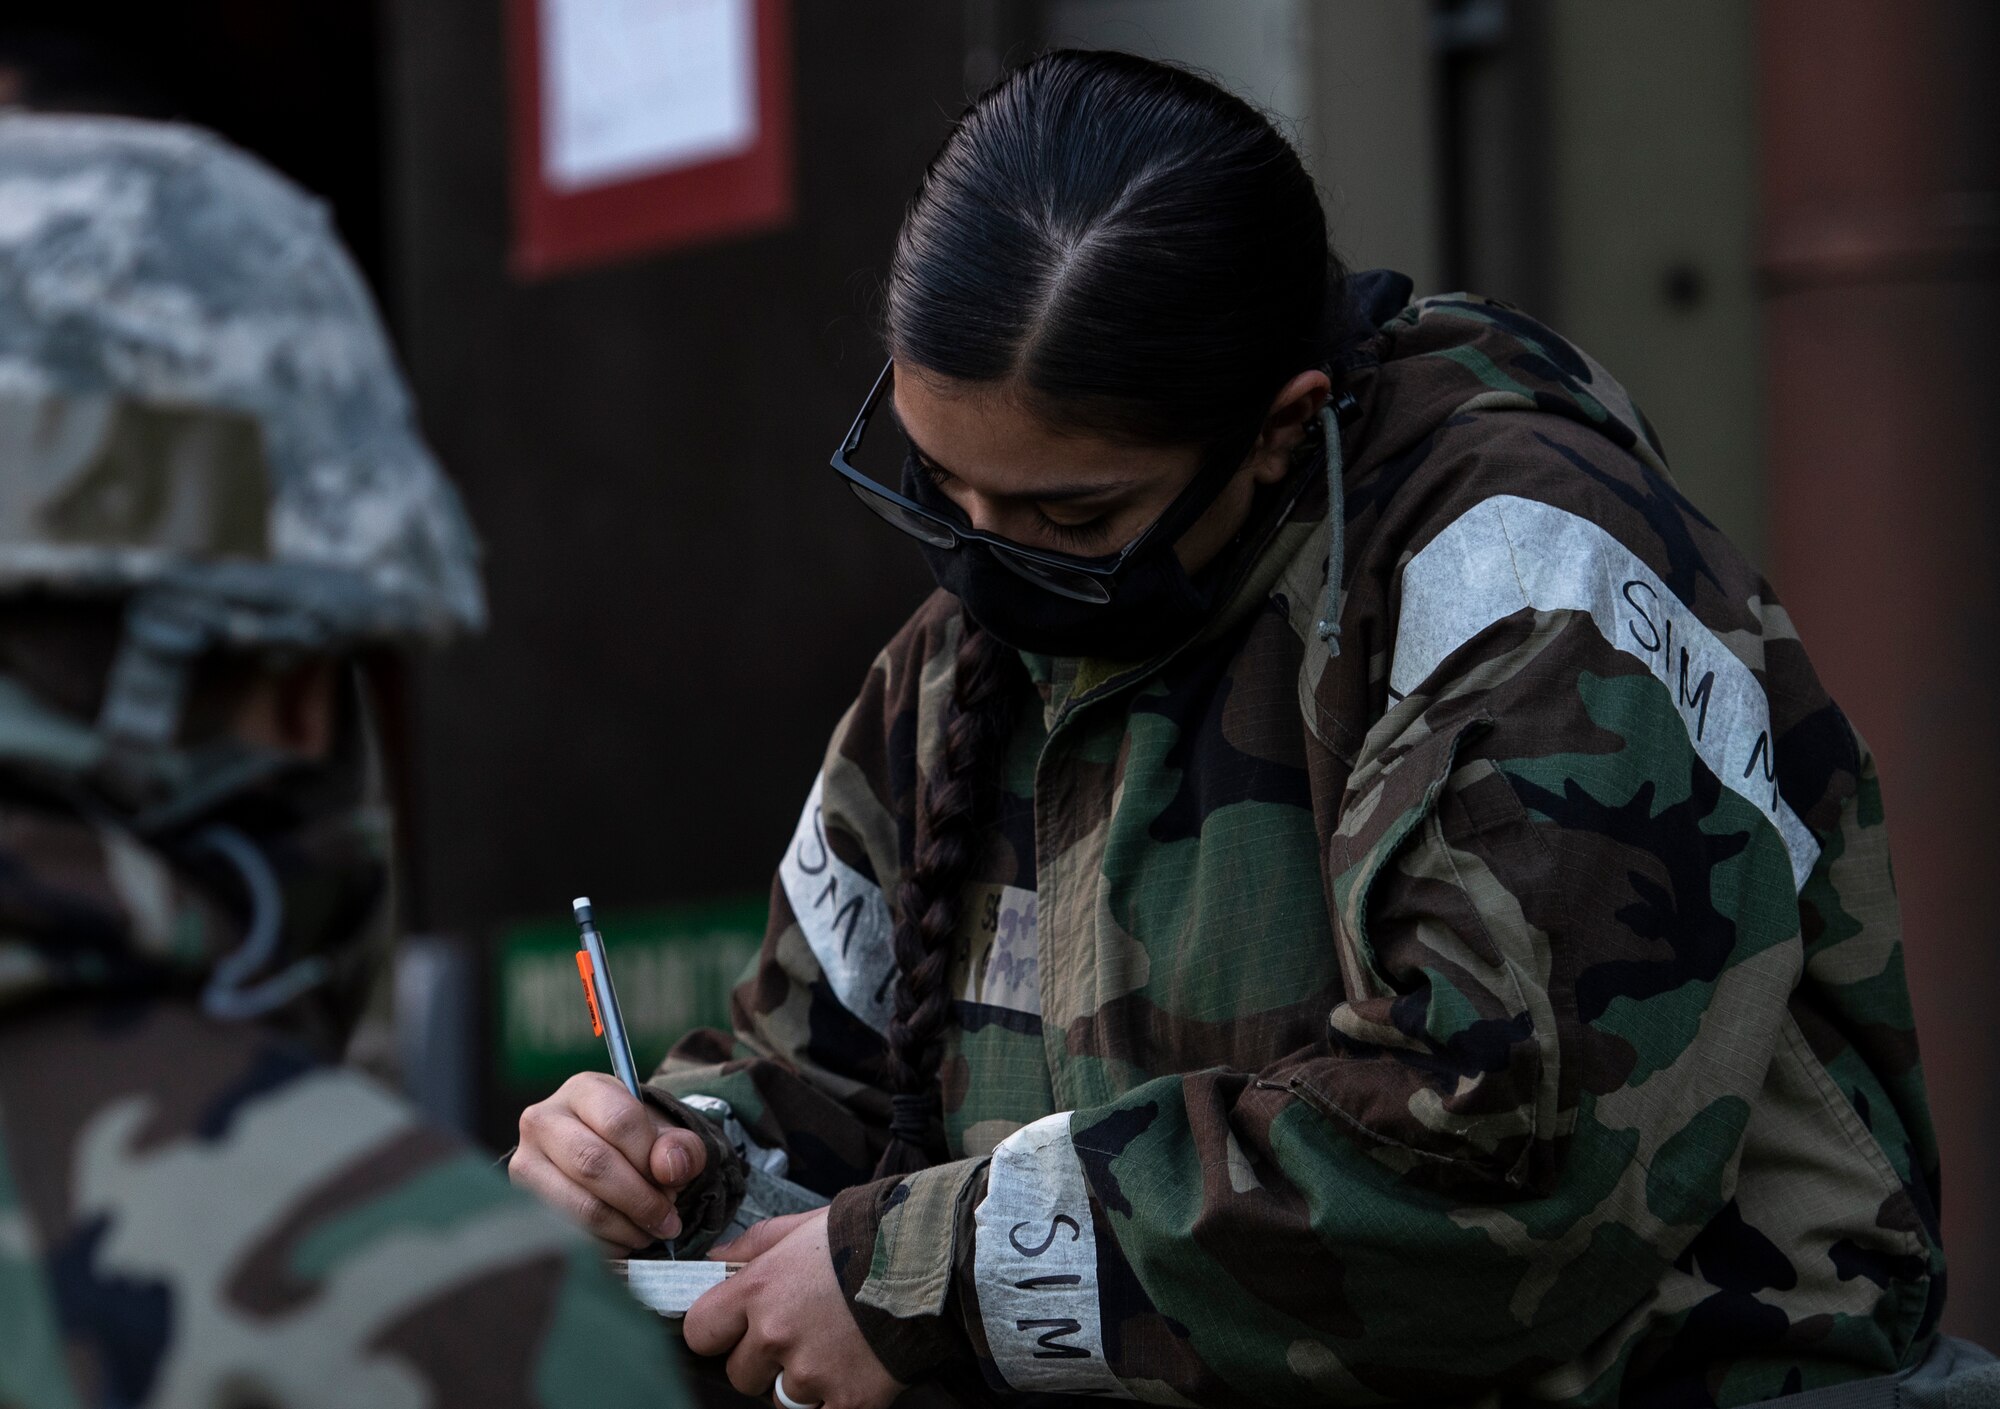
1351,893
213,501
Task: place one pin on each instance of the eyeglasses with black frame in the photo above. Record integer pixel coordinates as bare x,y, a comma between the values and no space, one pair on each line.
1065,574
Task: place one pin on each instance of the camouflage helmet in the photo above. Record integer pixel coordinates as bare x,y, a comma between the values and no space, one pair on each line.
199,409
200,413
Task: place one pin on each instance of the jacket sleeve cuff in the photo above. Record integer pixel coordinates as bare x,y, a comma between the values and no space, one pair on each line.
709,1200
895,1245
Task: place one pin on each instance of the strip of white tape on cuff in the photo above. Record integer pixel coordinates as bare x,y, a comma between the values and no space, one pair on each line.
1036,1263
843,916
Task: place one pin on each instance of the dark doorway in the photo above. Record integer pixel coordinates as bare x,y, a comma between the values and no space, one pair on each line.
297,83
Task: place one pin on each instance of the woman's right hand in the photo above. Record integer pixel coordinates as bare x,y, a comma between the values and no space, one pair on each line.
613,1164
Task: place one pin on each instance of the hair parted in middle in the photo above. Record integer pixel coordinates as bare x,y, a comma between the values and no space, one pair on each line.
1138,255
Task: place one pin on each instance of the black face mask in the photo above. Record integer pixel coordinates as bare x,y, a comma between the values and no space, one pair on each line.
302,851
1154,604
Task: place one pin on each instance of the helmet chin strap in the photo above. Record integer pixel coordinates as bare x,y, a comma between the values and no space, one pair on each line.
230,995
146,691
145,698
145,694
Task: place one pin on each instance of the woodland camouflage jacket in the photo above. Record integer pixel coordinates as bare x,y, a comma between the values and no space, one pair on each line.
1509,1009
196,1213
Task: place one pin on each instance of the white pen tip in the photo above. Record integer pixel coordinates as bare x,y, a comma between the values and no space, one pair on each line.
582,902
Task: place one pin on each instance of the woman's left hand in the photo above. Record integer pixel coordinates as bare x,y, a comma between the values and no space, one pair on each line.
784,1311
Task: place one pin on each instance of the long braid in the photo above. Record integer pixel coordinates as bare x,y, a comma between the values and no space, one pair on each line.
951,824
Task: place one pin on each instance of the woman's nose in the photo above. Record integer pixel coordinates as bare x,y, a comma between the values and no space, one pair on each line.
980,512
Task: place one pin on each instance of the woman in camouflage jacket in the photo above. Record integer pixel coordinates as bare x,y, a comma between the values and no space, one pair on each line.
1479,981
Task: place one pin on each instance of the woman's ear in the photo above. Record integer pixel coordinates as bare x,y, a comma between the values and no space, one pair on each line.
295,710
310,707
1293,411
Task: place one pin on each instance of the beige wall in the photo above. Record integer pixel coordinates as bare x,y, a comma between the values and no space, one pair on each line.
1350,81
1256,48
1610,182
1371,110
1652,133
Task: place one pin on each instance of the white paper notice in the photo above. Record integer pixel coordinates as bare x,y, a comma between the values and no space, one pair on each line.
634,87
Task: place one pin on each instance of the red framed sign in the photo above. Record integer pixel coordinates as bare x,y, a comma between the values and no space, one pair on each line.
642,125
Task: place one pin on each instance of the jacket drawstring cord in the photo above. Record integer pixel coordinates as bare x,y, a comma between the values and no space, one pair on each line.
1336,517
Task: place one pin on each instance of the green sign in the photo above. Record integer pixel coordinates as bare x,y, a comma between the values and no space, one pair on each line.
673,970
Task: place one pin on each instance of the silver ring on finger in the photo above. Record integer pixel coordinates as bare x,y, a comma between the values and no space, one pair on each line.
785,1401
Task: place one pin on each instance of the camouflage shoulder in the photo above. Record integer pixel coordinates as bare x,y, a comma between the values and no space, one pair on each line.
1470,464
1482,460
293,1234
1469,352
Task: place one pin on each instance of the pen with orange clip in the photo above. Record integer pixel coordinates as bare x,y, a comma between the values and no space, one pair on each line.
668,1287
606,1020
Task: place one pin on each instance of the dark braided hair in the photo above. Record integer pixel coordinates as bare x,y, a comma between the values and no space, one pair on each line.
952,814
1139,255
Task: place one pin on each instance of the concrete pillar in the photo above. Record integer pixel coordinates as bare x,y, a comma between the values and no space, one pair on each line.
1882,273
